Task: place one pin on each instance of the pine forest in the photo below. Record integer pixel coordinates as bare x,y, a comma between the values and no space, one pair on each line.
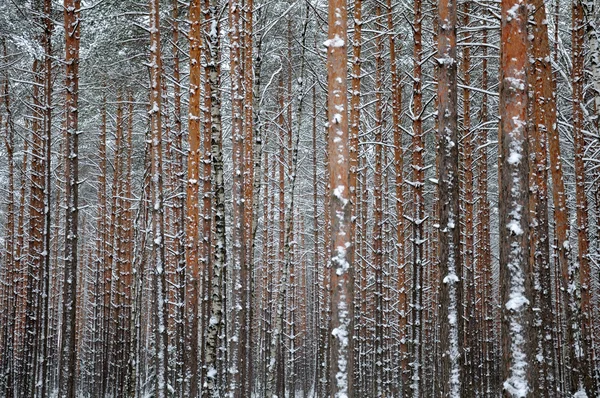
299,198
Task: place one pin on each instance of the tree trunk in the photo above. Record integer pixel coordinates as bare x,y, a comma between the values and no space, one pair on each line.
515,272
158,221
67,377
452,284
340,210
192,203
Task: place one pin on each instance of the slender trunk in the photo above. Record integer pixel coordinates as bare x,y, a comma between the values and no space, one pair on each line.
215,325
158,221
418,216
177,160
542,108
340,210
354,130
251,182
192,203
67,376
515,273
581,277
452,283
237,315
378,217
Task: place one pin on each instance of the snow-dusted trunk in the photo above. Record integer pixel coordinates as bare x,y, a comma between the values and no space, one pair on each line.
42,381
101,234
111,262
562,248
67,376
402,363
215,323
581,276
9,284
207,209
291,241
468,273
236,316
378,302
179,202
317,262
354,130
451,284
32,274
278,315
483,232
340,207
543,116
418,214
192,203
515,273
251,183
129,358
158,223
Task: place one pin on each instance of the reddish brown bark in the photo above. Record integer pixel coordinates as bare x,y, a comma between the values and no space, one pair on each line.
192,202
67,375
342,283
515,272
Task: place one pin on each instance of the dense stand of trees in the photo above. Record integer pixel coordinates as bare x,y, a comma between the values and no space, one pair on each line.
345,198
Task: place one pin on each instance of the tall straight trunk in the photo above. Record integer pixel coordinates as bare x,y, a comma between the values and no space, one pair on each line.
366,367
469,272
192,203
110,261
177,160
207,216
379,350
399,184
543,109
215,325
276,330
484,250
318,263
581,277
452,283
354,130
418,214
562,247
115,238
7,361
101,233
128,258
340,210
23,340
515,273
158,221
33,267
325,340
42,381
251,181
237,314
67,375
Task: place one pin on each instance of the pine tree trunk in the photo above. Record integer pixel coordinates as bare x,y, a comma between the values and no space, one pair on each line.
340,207
452,283
192,203
581,277
158,221
515,273
215,323
67,376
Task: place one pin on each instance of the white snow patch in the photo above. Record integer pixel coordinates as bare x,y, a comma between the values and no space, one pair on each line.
337,41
